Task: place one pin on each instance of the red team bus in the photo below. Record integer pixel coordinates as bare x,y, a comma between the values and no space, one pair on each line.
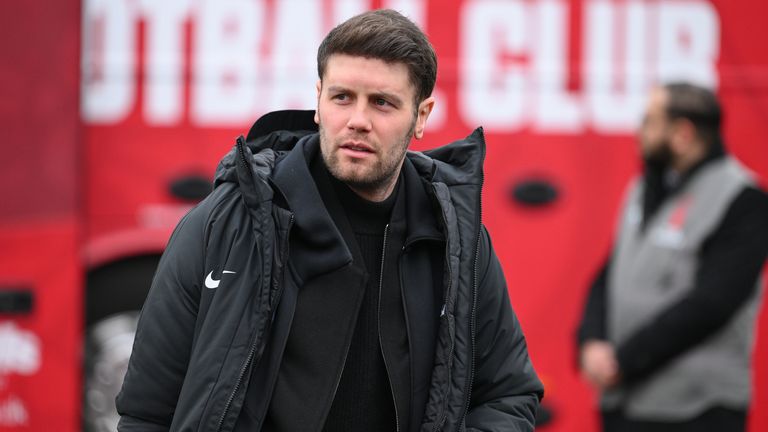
115,113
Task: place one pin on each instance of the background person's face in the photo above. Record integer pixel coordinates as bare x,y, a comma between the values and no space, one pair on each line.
367,116
655,130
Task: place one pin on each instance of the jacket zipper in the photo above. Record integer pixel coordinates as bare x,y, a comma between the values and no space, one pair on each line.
378,319
251,354
241,150
237,385
473,313
443,414
284,259
254,344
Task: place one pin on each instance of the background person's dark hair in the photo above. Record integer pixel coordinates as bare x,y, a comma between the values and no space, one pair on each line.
700,106
386,35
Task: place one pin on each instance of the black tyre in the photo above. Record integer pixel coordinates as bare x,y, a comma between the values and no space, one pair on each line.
114,296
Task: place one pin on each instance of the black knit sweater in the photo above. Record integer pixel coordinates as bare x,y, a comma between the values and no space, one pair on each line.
363,400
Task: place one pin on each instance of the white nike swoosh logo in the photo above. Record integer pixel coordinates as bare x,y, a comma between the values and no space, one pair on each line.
212,283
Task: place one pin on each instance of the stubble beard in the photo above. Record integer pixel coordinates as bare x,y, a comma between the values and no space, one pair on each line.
374,178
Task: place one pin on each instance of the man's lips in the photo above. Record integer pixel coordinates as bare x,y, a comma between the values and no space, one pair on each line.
356,149
357,146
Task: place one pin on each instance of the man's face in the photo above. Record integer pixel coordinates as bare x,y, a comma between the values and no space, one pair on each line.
654,133
367,116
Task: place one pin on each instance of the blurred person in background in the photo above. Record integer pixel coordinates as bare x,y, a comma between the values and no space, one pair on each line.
335,281
668,328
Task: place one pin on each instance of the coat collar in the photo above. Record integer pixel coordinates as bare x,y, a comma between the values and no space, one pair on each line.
314,232
279,148
316,241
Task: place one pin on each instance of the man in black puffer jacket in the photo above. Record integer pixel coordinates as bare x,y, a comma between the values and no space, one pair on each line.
333,280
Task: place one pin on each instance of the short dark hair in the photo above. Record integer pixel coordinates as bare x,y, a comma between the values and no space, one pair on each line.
386,35
700,106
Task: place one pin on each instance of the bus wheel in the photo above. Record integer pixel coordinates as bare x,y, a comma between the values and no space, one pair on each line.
115,293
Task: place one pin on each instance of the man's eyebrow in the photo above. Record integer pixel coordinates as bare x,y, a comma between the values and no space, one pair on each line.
394,99
391,97
336,89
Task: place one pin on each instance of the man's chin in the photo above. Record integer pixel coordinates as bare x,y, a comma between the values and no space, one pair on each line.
349,176
361,181
357,181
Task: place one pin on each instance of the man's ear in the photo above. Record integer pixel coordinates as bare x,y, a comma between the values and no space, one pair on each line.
425,108
319,88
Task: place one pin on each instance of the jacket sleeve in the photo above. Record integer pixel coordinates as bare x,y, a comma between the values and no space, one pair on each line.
165,331
592,326
506,390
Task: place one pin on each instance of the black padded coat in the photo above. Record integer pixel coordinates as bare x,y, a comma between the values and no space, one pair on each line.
227,285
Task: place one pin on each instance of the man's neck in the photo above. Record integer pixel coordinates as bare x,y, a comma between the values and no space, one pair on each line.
364,215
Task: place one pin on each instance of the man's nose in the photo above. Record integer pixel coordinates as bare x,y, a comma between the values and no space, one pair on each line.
359,118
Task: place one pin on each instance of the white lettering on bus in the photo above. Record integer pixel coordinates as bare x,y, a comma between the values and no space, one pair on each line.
108,60
13,412
19,350
163,89
252,56
226,44
513,70
493,92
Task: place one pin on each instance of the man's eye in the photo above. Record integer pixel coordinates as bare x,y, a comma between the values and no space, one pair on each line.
340,97
381,102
